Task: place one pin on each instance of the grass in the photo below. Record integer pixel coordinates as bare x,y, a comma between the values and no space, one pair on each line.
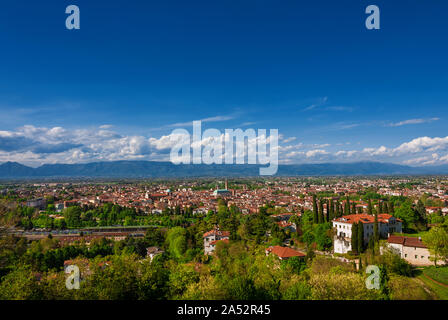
417,234
440,291
439,274
404,288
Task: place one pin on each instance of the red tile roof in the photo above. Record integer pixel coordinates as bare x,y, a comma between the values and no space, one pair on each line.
216,241
364,218
407,241
217,232
285,252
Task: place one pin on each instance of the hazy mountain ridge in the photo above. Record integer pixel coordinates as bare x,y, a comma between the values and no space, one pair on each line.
154,169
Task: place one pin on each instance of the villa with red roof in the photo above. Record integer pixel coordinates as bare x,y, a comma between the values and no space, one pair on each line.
284,253
212,237
387,224
411,249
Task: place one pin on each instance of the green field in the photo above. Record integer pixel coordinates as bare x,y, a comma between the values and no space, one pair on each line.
439,291
439,274
415,235
429,275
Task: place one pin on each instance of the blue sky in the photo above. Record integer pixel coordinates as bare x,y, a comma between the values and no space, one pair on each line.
117,87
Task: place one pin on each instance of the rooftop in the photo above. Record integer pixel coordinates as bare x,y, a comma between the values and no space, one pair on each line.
407,241
285,252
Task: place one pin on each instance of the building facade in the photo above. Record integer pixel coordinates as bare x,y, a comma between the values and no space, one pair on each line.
411,249
212,237
387,224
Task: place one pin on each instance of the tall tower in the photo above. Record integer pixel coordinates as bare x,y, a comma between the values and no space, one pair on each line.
226,187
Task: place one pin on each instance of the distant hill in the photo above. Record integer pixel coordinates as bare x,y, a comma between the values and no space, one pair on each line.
155,169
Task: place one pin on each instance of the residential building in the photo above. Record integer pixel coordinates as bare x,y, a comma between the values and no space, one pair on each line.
151,252
387,224
212,237
284,253
39,203
411,249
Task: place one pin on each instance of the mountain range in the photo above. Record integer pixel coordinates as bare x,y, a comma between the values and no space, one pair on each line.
156,169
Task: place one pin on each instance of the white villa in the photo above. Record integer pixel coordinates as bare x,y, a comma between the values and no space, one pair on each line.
342,241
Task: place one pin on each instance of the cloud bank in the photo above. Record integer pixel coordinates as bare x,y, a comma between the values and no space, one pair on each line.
38,145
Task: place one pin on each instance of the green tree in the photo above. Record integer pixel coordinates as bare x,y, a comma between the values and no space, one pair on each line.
331,211
176,242
316,214
72,217
354,239
360,237
380,207
369,207
376,233
437,241
321,212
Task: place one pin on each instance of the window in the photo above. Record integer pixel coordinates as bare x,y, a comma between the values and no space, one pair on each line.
423,257
405,255
416,257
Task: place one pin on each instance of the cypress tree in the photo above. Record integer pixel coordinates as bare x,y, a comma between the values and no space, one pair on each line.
337,207
354,239
380,207
391,208
353,208
321,212
375,229
369,207
372,245
327,205
386,207
360,263
331,210
347,206
315,217
360,237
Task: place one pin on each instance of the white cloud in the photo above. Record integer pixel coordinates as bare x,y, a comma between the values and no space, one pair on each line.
422,144
412,121
317,152
37,145
290,139
209,119
318,103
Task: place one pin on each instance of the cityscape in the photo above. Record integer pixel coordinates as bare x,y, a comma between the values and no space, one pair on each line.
208,238
223,159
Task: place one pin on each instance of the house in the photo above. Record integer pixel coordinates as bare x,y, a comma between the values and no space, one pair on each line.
284,253
212,237
411,249
59,206
387,224
222,193
287,225
282,216
151,252
39,203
